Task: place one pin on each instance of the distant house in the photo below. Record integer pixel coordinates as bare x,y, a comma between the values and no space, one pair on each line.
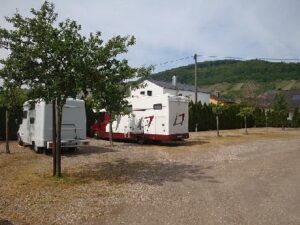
292,97
156,88
214,99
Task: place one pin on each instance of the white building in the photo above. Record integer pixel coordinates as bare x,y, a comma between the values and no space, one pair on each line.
157,88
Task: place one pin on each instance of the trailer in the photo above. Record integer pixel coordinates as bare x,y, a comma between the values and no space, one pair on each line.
156,118
36,127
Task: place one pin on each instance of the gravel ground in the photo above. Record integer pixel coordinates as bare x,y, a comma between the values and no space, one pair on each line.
234,179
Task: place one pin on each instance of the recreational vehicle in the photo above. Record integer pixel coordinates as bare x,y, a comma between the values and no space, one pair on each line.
157,118
36,127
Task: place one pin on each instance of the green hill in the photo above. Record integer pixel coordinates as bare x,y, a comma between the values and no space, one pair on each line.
235,79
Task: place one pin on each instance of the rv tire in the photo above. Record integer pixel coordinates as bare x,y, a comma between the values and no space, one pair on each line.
20,142
141,141
37,150
72,149
95,135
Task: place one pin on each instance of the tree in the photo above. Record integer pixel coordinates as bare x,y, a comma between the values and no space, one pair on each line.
280,109
57,62
51,59
296,118
217,110
259,117
246,112
12,96
110,84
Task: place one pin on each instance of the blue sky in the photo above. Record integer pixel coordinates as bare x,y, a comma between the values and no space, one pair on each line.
167,30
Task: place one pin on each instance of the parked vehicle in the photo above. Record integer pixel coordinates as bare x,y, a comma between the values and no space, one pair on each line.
36,127
157,118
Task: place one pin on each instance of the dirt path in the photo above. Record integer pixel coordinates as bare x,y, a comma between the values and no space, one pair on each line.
235,179
255,182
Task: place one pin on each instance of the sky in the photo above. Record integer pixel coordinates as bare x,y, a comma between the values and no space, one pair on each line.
170,30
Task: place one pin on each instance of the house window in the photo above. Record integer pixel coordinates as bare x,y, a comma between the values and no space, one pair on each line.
25,114
31,120
296,97
142,93
157,106
149,93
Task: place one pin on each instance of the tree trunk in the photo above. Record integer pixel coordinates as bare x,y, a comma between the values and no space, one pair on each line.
54,136
246,131
218,132
110,132
7,130
58,140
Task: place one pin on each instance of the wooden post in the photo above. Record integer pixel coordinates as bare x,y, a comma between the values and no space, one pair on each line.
110,133
54,136
196,94
7,130
58,140
218,133
246,131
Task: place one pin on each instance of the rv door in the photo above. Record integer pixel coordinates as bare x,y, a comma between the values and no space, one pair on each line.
31,125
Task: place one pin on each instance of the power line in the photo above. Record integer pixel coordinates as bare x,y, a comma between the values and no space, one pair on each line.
173,61
227,57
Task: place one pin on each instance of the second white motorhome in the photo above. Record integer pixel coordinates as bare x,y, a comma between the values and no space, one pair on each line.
157,118
36,127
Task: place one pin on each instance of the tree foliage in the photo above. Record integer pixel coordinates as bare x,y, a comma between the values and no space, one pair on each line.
236,79
246,112
296,118
280,109
56,62
233,71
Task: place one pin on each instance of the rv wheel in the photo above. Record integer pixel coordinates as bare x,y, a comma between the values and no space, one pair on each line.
37,150
73,149
141,141
95,135
20,142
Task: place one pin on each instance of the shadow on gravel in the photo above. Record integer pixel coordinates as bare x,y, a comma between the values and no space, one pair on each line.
87,151
152,173
196,142
5,222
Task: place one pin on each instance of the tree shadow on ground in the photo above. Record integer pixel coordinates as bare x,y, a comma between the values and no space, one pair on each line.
90,150
5,222
151,173
196,142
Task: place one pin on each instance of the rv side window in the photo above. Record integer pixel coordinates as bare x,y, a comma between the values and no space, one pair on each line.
149,93
24,114
142,93
31,120
157,106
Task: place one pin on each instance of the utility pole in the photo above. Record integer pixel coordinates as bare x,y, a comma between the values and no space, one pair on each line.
196,94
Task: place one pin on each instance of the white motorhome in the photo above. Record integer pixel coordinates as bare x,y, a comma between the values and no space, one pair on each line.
157,118
36,127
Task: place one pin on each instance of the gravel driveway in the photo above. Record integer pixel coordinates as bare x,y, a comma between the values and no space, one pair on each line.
235,179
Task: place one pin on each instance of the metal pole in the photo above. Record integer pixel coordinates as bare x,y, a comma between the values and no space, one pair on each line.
196,94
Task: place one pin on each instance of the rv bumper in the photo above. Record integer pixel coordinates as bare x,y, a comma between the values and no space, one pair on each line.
69,143
170,137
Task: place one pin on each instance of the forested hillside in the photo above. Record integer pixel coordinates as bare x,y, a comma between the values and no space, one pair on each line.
232,78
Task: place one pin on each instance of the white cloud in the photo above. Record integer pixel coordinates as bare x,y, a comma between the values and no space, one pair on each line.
173,29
